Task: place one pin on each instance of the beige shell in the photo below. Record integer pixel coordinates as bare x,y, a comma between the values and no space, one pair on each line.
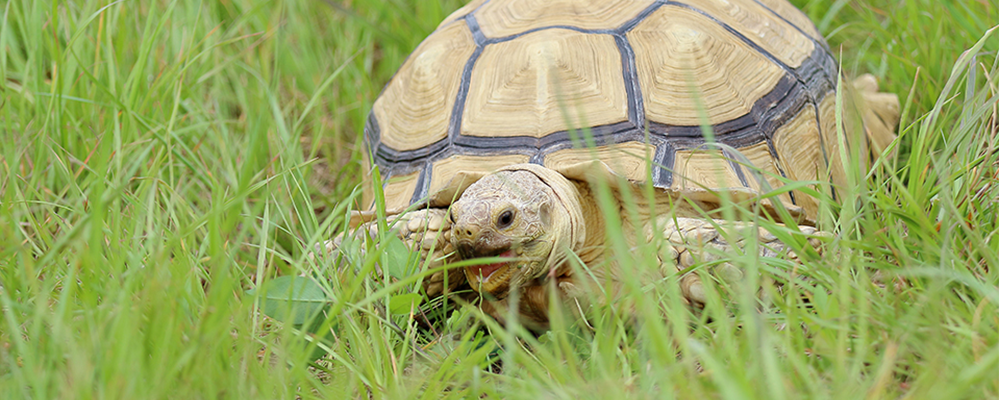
627,82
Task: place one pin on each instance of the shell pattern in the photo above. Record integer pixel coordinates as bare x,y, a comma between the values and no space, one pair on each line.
630,82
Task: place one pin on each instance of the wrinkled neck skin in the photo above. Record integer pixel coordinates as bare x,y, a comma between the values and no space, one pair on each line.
572,232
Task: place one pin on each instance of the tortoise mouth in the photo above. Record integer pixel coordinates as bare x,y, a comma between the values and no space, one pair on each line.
486,271
493,278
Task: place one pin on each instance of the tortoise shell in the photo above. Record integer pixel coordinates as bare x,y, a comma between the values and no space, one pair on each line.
631,82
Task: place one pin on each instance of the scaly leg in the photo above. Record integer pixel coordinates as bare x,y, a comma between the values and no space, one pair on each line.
693,241
427,232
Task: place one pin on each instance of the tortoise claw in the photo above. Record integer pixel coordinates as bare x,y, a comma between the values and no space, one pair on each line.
694,243
427,232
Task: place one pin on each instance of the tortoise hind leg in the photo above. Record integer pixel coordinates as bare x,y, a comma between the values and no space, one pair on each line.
427,232
694,241
880,112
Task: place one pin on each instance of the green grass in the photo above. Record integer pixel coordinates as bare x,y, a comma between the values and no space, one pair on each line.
161,158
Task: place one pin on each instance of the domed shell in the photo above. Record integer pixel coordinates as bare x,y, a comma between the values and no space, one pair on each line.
630,82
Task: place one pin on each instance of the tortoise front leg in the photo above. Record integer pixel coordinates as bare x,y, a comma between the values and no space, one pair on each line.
693,241
427,232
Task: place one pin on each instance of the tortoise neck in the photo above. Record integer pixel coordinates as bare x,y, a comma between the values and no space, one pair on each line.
594,227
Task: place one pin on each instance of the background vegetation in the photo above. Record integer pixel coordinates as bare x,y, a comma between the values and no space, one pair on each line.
160,160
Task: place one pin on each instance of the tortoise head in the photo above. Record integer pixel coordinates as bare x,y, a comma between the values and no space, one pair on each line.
526,213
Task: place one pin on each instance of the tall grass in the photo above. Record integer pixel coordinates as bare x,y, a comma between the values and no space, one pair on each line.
161,160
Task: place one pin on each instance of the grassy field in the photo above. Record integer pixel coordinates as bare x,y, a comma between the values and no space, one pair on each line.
161,160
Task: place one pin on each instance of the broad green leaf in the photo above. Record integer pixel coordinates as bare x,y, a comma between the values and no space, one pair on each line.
292,299
397,259
404,303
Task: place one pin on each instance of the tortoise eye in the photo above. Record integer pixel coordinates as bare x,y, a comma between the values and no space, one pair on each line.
505,219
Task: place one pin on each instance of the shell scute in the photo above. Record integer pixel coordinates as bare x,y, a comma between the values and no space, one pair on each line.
689,66
415,108
506,18
546,81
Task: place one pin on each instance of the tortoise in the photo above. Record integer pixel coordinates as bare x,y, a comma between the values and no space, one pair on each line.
492,135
